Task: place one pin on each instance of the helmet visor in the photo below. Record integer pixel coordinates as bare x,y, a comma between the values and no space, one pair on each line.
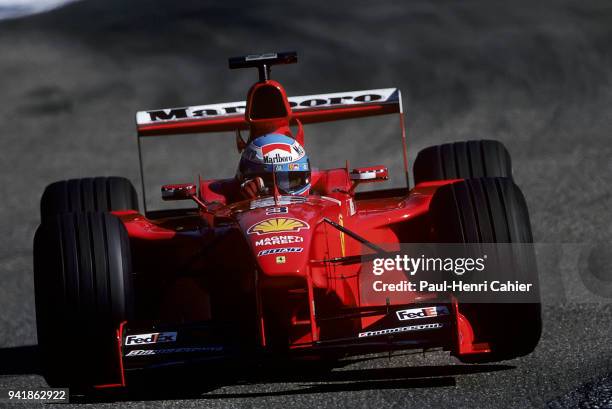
291,182
287,182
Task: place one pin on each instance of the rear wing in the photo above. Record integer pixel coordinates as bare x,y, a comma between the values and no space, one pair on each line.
230,116
307,109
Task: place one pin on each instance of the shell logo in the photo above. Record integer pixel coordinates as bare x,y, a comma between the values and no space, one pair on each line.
278,225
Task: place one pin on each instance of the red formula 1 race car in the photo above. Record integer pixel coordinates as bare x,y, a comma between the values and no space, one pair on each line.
270,261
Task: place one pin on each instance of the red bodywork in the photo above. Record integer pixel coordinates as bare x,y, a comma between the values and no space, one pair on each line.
223,263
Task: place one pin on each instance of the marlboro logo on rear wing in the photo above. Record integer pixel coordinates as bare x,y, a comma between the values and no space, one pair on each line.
308,109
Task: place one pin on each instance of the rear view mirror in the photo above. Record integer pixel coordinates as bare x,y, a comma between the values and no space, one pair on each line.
370,174
181,191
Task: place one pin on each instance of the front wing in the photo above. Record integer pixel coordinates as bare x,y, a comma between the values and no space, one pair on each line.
149,345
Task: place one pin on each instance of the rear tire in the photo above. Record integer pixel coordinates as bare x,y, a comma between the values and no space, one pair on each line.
462,160
493,210
99,194
83,290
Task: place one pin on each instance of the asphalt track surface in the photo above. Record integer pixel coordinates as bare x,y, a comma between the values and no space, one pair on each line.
535,75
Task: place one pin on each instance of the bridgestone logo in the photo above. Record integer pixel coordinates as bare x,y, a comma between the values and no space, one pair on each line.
400,330
146,352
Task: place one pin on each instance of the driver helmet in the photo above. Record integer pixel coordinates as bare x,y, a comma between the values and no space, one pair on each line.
280,154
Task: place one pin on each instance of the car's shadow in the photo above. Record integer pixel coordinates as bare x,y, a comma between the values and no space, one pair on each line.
21,360
292,379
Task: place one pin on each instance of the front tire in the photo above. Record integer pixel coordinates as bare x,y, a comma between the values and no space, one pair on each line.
493,210
83,290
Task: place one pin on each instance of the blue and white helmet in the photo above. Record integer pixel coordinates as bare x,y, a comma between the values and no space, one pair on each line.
280,154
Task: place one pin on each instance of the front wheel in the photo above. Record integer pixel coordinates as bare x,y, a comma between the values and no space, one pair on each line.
493,210
83,290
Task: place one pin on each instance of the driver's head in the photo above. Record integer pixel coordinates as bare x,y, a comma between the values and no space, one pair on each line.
280,154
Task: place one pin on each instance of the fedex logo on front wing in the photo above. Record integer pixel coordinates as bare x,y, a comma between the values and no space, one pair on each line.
425,312
152,338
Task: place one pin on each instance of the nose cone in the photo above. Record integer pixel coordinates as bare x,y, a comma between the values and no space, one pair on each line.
280,237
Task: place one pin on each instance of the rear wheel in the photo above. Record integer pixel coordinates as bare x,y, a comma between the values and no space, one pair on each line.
493,210
462,160
83,289
99,194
